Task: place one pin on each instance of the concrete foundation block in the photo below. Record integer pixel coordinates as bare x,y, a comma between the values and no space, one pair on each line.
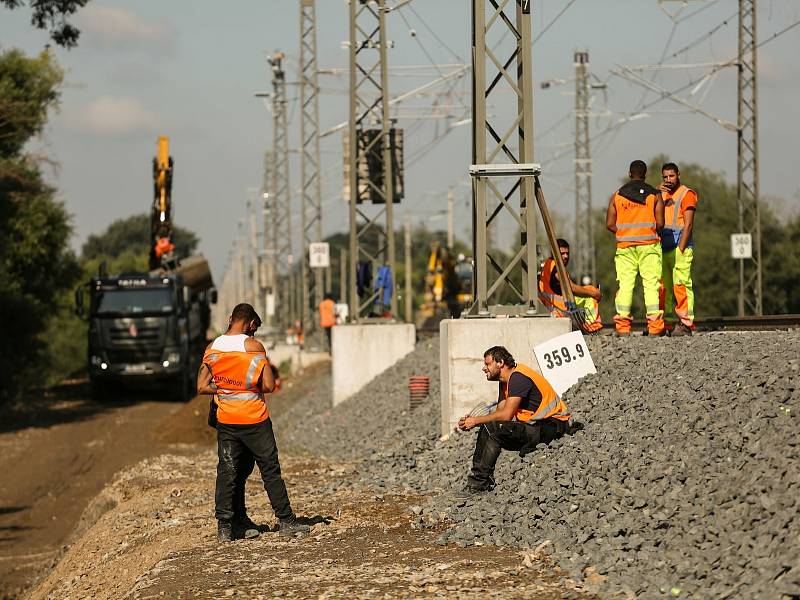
462,344
361,352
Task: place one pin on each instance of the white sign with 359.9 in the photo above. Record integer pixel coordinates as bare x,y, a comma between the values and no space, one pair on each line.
563,360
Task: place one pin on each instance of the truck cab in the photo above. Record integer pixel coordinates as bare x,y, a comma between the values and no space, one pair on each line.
145,330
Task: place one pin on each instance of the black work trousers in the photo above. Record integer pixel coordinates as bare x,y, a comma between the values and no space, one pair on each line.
244,468
233,441
517,436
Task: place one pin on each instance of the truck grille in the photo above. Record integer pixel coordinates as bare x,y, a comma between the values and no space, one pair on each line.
133,355
121,336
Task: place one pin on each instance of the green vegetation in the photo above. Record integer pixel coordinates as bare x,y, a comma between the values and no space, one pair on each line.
36,266
52,15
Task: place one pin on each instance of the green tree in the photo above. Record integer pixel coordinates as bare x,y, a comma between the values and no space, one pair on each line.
52,15
36,265
132,234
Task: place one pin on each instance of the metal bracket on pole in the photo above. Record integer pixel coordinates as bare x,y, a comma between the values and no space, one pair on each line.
502,170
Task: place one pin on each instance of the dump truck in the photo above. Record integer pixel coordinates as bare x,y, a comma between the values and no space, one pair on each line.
150,329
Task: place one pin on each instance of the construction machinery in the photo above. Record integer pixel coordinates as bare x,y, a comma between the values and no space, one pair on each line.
150,328
448,287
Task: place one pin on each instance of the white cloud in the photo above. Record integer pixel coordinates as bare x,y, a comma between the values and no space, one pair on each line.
121,29
114,115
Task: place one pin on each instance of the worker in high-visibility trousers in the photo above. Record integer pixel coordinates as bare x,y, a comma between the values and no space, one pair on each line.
635,215
587,297
677,248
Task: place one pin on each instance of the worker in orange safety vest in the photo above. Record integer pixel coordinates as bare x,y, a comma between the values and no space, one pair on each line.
235,369
327,316
528,412
587,297
635,215
677,248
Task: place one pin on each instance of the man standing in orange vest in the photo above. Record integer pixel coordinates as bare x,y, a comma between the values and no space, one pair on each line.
529,412
677,247
636,215
587,297
327,316
236,370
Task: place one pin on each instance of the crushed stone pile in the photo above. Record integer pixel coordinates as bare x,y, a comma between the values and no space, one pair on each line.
684,482
376,417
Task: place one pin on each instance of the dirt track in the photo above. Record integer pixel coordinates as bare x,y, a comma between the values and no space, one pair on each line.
150,531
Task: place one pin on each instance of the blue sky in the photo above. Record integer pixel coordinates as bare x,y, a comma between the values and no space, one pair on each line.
189,70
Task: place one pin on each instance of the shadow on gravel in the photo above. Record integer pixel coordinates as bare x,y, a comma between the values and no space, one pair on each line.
68,402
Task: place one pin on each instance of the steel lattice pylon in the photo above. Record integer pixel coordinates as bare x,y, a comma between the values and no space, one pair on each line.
267,250
311,207
371,237
584,237
750,298
505,143
282,201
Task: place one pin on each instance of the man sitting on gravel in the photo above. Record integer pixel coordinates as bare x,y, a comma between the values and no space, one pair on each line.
528,412
238,366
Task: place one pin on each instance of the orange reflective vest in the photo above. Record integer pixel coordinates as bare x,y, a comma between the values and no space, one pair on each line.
327,313
553,302
237,376
551,406
636,223
674,221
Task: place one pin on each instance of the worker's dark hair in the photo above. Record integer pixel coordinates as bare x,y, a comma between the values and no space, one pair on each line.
245,312
499,353
562,243
638,169
670,166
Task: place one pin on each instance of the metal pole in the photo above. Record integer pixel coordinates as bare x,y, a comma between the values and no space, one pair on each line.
268,240
252,217
369,139
510,281
343,266
408,295
584,238
750,289
282,218
309,158
450,231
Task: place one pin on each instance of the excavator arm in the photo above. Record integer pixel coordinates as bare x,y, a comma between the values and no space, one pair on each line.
161,245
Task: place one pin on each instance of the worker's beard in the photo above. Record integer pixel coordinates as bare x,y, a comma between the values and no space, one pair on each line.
490,376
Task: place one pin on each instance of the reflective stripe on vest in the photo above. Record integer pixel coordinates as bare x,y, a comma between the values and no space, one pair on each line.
237,376
636,223
551,406
553,302
673,218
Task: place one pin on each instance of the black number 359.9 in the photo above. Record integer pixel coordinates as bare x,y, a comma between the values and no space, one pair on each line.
562,355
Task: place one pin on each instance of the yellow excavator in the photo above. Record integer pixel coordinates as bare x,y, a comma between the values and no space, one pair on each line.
448,287
161,245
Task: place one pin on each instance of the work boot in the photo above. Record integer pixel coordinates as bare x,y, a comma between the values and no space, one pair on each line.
224,531
245,528
470,492
681,330
292,527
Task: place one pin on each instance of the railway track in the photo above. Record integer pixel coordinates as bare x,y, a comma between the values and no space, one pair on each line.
751,323
705,324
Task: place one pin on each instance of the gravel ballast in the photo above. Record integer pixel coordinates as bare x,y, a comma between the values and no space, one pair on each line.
684,482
